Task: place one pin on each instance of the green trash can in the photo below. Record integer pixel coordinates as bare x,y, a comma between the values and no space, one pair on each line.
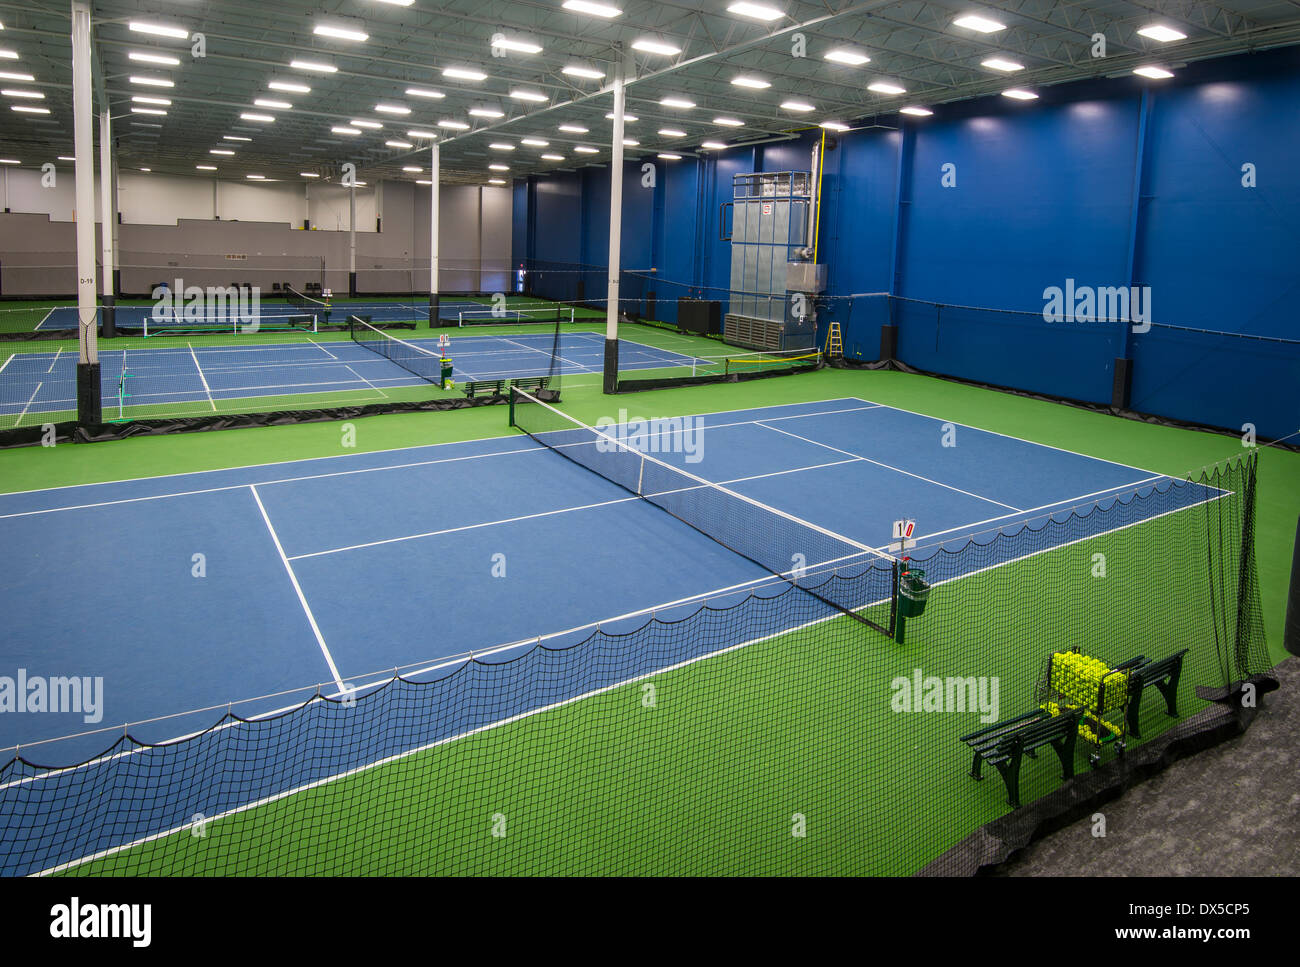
913,591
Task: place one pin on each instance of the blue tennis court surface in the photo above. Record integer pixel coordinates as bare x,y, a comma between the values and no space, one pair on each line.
197,590
338,568
192,379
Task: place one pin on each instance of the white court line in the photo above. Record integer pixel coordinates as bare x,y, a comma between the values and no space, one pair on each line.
56,359
398,756
366,381
206,388
552,513
8,361
302,599
463,527
19,421
466,657
372,453
1008,436
1068,504
321,347
338,473
544,352
887,466
260,483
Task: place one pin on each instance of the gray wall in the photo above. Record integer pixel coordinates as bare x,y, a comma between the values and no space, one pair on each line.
168,230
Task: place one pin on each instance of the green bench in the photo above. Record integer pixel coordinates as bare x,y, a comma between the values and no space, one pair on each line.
1164,675
497,387
484,387
1003,745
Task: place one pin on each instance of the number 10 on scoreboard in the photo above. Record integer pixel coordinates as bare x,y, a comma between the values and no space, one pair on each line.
903,533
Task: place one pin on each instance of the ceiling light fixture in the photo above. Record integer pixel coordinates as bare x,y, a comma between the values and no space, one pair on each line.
757,11
340,33
655,47
595,9
842,55
463,74
982,24
158,30
1162,33
153,58
313,67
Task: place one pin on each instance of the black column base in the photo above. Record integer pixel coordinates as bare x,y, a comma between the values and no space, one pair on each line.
108,314
89,401
611,366
1291,630
888,342
435,302
352,285
1122,385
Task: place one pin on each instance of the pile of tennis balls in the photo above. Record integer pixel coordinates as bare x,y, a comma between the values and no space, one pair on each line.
1078,678
1086,731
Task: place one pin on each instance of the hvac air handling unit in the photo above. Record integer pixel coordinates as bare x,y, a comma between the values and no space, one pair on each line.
773,279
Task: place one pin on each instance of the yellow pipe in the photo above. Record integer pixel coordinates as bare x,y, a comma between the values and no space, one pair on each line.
817,219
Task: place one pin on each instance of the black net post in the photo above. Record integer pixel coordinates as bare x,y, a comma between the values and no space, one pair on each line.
109,328
1247,592
1291,635
89,407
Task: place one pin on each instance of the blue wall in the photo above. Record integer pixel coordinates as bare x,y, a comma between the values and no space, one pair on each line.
1109,183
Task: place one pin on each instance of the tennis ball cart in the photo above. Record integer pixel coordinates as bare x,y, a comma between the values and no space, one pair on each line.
1073,680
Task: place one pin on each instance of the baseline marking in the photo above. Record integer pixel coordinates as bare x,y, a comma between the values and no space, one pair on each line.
206,388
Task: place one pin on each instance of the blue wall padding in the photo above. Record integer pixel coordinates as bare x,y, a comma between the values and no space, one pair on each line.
1086,184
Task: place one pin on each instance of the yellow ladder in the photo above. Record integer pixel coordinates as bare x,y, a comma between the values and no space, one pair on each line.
834,344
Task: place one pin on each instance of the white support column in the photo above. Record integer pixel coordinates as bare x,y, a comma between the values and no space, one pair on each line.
84,142
435,170
615,233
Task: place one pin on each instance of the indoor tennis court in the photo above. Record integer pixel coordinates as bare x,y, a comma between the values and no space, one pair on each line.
584,439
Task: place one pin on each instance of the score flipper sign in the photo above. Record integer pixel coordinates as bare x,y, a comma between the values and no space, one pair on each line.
903,534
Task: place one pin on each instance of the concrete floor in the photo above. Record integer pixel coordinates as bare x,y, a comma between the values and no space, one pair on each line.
1233,810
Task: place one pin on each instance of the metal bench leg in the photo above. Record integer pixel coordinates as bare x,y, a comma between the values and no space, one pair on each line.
1064,749
1169,689
1011,776
975,766
1135,710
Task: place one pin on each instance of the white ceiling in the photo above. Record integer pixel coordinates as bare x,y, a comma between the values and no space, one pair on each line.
913,43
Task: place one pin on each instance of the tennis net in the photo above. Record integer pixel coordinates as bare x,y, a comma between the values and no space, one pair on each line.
414,359
233,323
514,314
852,577
306,303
